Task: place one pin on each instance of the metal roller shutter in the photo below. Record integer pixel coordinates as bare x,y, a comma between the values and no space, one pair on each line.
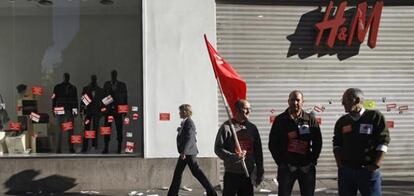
255,39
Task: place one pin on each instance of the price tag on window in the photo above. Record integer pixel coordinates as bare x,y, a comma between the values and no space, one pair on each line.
129,147
90,134
105,130
37,90
66,126
76,139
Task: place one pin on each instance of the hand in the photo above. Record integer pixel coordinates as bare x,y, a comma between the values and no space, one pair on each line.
242,155
182,156
372,167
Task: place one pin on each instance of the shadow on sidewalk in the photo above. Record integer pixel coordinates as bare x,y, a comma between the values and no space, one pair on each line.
24,183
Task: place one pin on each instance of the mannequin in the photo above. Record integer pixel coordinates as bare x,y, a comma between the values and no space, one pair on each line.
92,111
65,95
118,91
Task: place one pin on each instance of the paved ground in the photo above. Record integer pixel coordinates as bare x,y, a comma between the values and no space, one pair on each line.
327,187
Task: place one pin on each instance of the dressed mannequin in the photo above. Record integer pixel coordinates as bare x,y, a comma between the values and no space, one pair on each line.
92,110
118,91
65,95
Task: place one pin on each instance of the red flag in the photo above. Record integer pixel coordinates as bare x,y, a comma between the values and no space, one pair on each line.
232,85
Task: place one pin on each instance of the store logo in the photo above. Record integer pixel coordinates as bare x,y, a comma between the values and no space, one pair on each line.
359,25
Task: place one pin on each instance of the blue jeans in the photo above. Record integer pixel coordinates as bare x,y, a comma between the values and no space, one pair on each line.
288,174
350,180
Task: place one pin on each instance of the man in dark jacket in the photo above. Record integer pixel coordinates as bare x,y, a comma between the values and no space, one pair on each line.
90,106
118,91
235,180
187,147
295,142
65,106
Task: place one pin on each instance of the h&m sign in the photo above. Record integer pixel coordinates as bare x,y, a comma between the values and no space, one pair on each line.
358,27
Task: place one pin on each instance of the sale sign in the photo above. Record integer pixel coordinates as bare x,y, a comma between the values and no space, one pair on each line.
66,126
34,117
37,90
107,100
59,110
129,147
15,126
76,139
90,134
135,116
110,119
86,99
164,116
126,121
105,130
122,108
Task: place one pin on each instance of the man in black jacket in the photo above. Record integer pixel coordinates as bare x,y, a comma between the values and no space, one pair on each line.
65,106
118,91
90,106
295,142
187,147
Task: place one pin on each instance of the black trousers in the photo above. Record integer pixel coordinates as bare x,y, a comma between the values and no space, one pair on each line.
94,121
191,161
237,184
287,175
118,118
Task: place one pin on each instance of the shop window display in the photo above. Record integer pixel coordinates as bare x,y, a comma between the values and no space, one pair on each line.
55,61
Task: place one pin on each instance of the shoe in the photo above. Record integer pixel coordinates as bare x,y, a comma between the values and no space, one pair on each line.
105,151
58,151
72,150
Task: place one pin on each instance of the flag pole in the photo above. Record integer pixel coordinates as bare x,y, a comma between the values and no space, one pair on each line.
226,105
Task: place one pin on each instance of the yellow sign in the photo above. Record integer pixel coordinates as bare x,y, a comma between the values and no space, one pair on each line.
370,104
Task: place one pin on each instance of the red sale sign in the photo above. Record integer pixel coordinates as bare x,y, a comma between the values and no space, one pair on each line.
390,123
110,119
15,126
129,147
37,90
135,116
76,139
122,108
164,116
66,126
90,134
105,130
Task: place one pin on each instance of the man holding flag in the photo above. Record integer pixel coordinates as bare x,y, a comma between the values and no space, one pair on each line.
235,180
238,141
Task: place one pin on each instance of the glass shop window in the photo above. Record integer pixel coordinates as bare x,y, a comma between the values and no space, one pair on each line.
71,78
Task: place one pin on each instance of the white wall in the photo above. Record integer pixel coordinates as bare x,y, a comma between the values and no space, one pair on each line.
177,70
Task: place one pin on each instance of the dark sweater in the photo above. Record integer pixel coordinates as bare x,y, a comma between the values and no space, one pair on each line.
249,140
357,141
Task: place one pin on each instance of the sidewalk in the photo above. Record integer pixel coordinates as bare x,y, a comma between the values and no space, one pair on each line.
403,186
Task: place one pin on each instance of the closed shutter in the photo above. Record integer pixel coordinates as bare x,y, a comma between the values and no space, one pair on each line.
256,40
